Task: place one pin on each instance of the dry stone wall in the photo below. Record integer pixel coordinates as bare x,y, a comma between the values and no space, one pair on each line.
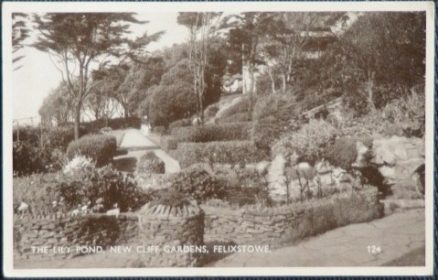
179,231
285,224
38,236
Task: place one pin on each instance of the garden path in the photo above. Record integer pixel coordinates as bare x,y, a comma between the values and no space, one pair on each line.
396,235
137,142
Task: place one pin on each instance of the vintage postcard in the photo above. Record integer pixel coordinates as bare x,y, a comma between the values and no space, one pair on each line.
218,138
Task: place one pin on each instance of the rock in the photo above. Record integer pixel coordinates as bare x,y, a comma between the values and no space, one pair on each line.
395,149
276,177
398,158
262,167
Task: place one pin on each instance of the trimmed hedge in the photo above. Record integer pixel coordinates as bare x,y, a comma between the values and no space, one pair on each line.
238,117
168,143
180,123
233,152
213,132
241,106
117,123
150,163
100,148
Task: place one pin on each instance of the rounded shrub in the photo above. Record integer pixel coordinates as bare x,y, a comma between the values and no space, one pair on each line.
150,163
197,183
343,152
309,142
101,148
273,115
104,183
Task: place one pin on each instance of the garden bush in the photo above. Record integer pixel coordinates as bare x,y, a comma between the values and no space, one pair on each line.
28,158
181,123
232,152
168,143
36,190
171,197
116,123
273,115
308,143
173,99
343,152
240,196
150,163
212,132
100,148
29,134
407,112
242,185
197,183
59,137
238,117
160,130
110,185
242,106
211,111
39,191
78,165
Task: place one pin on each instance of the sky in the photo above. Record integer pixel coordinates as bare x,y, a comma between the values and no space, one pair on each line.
39,76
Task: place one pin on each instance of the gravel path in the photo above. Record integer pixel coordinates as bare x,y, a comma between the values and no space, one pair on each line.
138,143
392,237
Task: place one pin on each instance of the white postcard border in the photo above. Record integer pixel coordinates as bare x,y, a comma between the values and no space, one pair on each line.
141,7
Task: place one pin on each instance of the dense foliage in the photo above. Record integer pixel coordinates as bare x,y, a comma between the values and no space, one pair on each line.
308,143
273,115
105,183
212,132
150,163
101,148
233,152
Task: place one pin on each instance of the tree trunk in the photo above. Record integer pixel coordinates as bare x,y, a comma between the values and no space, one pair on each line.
283,79
370,90
271,76
251,88
77,120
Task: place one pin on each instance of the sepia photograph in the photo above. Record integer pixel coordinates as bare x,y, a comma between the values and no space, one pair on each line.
218,138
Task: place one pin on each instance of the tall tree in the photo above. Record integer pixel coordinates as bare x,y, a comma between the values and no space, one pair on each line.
79,40
20,32
385,48
202,28
139,77
56,107
246,31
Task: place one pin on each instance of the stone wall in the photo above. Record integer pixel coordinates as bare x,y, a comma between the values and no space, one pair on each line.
174,228
70,232
154,225
290,223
